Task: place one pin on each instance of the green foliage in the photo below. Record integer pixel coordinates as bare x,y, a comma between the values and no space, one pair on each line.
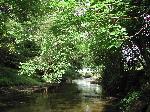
9,77
108,35
129,100
58,50
15,80
49,40
54,36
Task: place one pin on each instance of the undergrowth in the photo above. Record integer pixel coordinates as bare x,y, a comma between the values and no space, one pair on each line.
10,77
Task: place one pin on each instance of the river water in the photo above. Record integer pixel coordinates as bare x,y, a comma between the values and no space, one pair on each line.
80,96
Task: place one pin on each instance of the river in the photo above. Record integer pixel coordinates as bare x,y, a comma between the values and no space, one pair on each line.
80,96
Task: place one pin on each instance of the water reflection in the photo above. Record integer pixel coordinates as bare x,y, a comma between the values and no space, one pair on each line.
88,89
69,98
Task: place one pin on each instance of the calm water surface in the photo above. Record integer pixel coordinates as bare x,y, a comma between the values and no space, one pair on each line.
81,96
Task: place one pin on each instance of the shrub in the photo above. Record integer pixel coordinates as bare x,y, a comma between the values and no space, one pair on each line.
126,103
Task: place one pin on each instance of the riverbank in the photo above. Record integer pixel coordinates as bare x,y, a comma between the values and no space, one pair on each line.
20,90
59,98
9,77
20,95
17,90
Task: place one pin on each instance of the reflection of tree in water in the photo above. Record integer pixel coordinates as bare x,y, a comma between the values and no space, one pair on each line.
67,97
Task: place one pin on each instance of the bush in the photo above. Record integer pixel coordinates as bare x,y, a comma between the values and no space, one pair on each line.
127,102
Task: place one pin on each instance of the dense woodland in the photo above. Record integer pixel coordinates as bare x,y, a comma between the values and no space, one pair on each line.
48,41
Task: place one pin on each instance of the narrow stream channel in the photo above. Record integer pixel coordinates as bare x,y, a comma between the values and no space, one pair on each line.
80,96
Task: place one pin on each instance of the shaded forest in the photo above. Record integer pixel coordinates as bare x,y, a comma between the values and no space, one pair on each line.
48,41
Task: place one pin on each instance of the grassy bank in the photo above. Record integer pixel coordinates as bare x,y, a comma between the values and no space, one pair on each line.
10,77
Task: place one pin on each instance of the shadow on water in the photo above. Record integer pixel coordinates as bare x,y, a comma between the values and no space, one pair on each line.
69,98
